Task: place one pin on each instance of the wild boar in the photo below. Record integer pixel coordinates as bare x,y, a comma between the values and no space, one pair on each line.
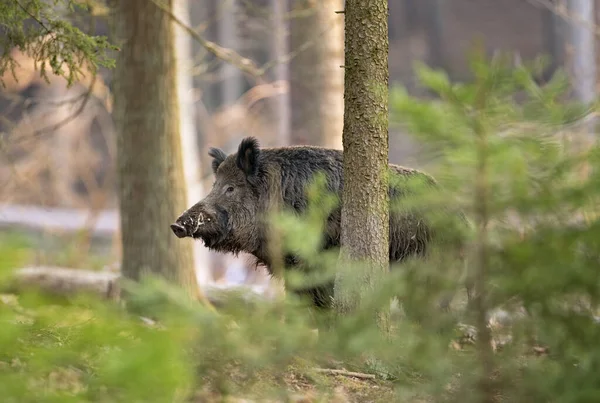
250,182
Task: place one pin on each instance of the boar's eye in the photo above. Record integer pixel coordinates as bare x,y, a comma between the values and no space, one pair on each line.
229,189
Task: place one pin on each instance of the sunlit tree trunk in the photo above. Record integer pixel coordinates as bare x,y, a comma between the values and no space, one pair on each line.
230,89
583,43
554,39
231,84
151,189
583,69
316,76
189,140
279,50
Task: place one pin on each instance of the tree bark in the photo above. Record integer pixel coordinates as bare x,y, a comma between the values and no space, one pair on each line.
316,79
435,33
151,188
281,70
583,71
231,80
582,37
553,27
365,199
191,158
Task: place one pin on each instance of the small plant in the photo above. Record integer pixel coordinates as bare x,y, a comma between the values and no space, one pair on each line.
502,155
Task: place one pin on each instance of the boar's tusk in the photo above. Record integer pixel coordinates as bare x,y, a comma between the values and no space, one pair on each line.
200,221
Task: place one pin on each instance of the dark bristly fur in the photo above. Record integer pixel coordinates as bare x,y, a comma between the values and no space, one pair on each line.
248,183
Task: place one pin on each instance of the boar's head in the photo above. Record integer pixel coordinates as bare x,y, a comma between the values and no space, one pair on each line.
227,218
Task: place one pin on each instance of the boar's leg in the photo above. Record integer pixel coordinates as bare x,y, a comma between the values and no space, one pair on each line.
320,296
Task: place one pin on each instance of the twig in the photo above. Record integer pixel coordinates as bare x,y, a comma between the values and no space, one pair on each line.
343,372
85,97
33,17
562,11
294,53
232,57
228,55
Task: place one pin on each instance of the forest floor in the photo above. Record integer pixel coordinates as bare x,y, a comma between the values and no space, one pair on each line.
295,385
301,381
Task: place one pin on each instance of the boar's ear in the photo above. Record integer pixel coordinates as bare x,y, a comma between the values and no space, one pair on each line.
247,156
218,157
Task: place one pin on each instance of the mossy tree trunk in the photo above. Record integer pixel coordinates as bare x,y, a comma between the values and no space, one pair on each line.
316,79
151,188
365,199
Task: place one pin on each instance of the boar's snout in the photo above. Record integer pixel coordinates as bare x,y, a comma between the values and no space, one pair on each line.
179,230
193,222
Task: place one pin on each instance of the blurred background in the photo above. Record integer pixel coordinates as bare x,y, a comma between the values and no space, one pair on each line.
57,160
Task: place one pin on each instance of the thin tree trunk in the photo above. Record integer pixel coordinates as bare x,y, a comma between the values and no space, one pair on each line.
435,33
189,141
583,69
231,84
411,15
316,79
282,110
553,35
584,49
230,87
151,188
365,199
278,50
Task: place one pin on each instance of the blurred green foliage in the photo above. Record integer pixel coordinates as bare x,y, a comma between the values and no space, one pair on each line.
499,142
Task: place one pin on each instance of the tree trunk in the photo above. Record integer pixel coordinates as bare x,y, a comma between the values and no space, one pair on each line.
278,51
553,39
435,35
189,135
365,199
583,40
316,79
583,70
231,80
411,16
230,88
151,188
